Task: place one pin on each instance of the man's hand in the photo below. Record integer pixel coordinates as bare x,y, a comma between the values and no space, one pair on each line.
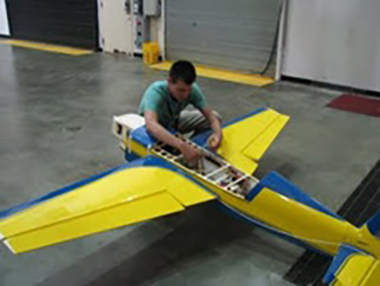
190,153
215,141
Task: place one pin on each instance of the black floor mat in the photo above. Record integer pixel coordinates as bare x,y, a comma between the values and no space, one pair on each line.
359,207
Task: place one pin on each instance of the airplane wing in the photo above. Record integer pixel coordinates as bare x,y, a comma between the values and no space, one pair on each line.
246,138
144,189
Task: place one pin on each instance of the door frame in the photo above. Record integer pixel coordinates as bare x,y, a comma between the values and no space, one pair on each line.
6,30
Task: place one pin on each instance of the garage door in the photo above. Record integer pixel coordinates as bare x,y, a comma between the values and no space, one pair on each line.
238,35
65,22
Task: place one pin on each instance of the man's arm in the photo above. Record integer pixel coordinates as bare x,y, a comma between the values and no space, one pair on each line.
216,138
160,133
199,102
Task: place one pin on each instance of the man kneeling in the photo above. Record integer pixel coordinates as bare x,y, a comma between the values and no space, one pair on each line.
163,107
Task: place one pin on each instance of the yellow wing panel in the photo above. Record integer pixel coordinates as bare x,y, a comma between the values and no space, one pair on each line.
373,276
119,192
149,207
246,141
257,148
242,162
359,270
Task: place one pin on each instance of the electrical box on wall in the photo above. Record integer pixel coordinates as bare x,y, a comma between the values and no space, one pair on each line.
137,7
143,12
139,24
152,7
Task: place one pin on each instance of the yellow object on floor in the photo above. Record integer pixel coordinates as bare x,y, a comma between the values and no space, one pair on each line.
250,79
47,47
151,52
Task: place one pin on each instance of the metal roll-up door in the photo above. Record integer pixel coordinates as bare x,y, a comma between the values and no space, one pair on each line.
237,35
64,22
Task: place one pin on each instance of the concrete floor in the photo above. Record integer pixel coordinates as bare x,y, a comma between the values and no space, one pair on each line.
55,119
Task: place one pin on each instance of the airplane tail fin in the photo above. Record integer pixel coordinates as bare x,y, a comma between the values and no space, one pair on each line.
373,225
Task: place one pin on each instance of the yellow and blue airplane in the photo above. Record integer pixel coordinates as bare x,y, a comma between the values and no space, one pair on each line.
157,181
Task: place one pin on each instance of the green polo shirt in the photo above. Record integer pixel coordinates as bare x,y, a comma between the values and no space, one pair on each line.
157,98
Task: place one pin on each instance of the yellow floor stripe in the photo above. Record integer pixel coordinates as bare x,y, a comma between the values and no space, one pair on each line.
47,47
251,79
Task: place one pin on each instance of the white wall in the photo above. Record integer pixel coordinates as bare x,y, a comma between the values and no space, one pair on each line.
4,26
115,26
334,41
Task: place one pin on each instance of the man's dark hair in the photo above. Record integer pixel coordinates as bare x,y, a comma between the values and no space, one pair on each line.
183,70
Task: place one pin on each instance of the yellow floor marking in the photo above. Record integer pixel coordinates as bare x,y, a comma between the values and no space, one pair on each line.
47,47
250,79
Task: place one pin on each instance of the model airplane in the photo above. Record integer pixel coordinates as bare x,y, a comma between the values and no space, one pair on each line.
158,181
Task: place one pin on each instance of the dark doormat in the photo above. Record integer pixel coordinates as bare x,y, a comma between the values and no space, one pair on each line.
359,207
357,104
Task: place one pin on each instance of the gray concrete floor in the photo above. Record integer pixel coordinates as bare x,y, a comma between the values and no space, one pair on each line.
55,119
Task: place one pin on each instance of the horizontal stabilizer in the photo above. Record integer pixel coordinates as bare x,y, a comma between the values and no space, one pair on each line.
351,267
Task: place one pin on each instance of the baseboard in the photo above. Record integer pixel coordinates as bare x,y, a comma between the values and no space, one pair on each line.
342,88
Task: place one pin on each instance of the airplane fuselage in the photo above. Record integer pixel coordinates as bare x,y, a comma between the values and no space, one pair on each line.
298,219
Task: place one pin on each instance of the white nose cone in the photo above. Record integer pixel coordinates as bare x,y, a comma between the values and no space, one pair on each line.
123,124
132,121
